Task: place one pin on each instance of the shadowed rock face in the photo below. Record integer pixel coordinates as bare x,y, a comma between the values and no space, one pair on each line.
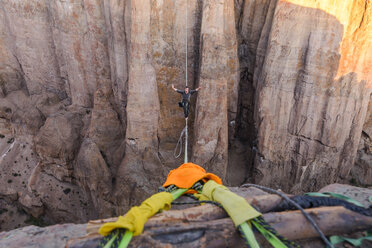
88,121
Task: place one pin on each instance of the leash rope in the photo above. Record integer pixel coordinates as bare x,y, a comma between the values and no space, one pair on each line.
179,143
186,143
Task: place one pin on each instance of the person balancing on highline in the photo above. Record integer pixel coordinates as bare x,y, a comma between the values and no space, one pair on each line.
186,94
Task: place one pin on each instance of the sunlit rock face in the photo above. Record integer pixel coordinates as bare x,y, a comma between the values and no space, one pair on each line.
89,123
310,107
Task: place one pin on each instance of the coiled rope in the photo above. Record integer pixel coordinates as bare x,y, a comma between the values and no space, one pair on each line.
178,150
179,144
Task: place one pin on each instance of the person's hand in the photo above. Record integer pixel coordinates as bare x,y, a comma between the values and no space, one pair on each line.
173,87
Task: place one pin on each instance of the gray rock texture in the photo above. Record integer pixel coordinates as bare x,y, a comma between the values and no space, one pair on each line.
42,237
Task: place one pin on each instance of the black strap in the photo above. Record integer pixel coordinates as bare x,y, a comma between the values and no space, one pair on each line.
315,201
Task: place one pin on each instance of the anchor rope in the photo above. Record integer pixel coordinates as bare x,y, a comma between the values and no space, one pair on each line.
185,130
186,55
186,65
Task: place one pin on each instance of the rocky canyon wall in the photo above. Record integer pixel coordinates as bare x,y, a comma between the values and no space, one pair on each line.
89,123
312,83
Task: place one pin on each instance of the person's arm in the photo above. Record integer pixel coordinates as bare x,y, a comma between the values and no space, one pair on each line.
176,90
193,91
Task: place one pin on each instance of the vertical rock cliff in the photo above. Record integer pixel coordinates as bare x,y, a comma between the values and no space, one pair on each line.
89,123
310,110
218,78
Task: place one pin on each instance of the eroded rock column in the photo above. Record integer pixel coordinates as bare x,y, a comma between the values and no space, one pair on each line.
141,171
219,75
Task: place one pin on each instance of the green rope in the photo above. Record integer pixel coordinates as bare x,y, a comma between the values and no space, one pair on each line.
111,240
271,234
248,235
274,241
178,192
338,196
355,242
126,239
